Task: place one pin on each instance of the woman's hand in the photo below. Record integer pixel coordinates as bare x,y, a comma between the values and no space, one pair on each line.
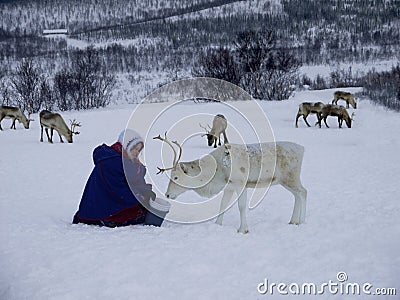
148,194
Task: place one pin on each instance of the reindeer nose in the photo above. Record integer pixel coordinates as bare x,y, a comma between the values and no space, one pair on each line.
167,195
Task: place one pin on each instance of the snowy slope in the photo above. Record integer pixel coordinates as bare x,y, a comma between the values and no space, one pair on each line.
352,222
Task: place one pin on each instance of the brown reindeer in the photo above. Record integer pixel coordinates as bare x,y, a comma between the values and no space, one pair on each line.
348,97
218,128
337,111
307,108
14,113
49,120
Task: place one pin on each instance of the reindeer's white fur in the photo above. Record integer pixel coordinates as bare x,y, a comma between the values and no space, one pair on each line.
14,113
234,168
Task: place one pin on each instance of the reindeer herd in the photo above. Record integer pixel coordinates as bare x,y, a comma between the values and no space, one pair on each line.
233,168
48,121
230,168
324,110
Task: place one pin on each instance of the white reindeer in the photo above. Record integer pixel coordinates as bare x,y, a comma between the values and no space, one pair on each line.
218,128
14,113
49,120
233,168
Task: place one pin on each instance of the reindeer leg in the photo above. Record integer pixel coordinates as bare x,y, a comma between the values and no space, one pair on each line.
305,120
225,138
297,120
13,124
325,122
47,134
41,132
1,119
219,140
228,193
61,140
215,142
319,119
242,203
300,203
51,135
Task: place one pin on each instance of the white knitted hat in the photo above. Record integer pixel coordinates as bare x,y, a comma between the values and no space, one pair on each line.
129,138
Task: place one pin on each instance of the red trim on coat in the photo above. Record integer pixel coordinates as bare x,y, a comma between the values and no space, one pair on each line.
127,214
117,147
123,216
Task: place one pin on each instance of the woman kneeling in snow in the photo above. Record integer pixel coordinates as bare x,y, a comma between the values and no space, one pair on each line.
112,199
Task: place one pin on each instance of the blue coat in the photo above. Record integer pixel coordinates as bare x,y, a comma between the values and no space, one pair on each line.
107,191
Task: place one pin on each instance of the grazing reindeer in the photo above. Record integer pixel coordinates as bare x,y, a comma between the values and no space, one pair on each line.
348,97
234,168
307,108
337,111
52,121
14,113
214,135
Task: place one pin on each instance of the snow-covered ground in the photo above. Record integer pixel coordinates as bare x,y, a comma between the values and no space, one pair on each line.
352,223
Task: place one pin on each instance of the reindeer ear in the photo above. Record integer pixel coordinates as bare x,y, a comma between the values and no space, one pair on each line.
183,167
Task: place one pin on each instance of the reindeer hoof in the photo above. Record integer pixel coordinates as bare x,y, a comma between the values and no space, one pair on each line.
294,223
243,231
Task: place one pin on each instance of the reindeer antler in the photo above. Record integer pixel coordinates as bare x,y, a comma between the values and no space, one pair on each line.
175,161
74,124
180,152
205,128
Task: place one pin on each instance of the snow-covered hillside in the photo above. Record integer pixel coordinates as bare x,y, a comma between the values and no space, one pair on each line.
352,223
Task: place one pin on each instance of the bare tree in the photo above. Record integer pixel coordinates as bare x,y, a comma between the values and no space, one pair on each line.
218,63
61,86
279,76
254,64
5,92
46,94
253,50
84,85
26,83
90,86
